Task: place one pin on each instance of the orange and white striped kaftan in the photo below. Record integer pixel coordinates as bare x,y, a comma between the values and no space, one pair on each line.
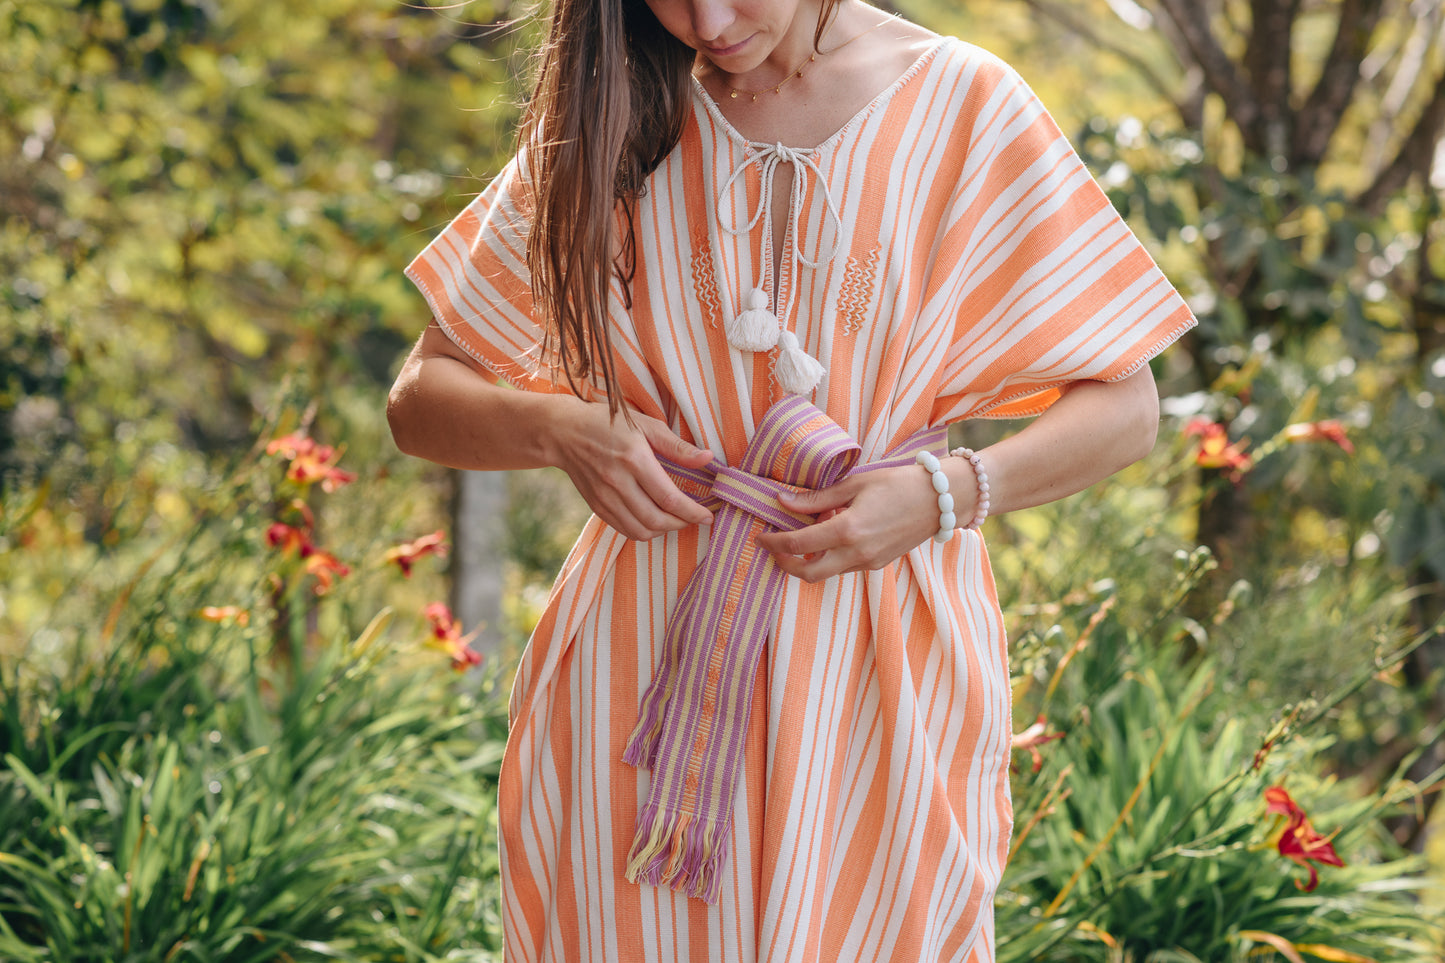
948,257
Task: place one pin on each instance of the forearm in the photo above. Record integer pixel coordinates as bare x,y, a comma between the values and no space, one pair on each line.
444,408
871,518
448,409
1094,430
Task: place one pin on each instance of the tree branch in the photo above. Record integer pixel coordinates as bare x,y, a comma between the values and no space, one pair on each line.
1198,45
1271,27
1415,156
1080,27
1340,75
1194,91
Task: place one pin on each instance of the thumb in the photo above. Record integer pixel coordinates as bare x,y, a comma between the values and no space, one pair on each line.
668,445
817,502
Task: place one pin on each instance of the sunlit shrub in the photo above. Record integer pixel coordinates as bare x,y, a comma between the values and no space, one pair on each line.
1145,826
223,769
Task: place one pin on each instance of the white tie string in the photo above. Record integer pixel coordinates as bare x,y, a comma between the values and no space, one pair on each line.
768,158
753,327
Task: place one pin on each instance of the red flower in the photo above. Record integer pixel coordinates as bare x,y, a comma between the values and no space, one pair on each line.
1299,841
288,539
1215,451
465,657
443,623
447,636
323,565
406,554
1331,431
326,568
310,462
1034,736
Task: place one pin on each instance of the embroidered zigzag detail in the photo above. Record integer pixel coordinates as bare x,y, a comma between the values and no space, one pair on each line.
859,276
704,281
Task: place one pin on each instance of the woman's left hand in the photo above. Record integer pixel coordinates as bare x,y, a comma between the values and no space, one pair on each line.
866,521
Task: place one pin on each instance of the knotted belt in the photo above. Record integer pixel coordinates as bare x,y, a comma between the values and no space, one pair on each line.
694,714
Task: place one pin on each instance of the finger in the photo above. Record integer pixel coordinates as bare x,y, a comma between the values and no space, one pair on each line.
817,568
610,506
822,500
813,539
669,500
631,511
667,444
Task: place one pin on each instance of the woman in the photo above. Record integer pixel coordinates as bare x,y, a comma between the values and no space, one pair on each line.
746,247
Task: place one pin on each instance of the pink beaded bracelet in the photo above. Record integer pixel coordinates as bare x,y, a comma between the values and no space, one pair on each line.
980,474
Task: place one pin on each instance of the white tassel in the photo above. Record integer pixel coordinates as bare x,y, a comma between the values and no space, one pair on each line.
797,371
755,328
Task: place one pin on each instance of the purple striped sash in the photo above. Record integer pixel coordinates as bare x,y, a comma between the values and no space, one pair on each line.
694,714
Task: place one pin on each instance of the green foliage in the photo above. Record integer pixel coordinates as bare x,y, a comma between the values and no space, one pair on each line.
544,517
1143,833
187,788
204,201
204,218
341,815
1292,246
1147,820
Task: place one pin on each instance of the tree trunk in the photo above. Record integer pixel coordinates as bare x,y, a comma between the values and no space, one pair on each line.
479,503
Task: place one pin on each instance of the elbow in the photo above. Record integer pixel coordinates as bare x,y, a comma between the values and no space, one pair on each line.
400,404
1131,411
1144,431
1146,437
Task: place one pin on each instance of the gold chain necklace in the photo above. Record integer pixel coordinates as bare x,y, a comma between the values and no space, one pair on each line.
798,70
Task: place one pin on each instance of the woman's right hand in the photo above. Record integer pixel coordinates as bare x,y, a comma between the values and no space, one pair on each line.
447,408
615,468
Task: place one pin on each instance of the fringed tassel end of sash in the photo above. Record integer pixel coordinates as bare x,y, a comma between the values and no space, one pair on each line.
678,850
642,745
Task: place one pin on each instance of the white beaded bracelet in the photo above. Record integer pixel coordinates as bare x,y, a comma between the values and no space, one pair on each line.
980,511
947,521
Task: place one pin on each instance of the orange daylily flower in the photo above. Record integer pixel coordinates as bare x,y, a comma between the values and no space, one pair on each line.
447,636
1034,736
310,462
226,613
327,569
1215,451
1331,431
406,554
1299,841
289,446
288,539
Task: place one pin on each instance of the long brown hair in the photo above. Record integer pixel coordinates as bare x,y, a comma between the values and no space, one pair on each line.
610,102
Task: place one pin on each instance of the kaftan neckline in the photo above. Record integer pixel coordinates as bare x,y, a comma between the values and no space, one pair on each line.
701,95
779,267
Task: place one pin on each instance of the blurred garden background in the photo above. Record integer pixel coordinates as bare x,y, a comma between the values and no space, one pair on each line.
254,663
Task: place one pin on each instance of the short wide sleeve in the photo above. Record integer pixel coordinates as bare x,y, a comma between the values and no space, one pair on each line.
474,276
1048,283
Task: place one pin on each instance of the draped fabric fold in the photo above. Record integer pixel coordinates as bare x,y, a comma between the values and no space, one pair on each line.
691,725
